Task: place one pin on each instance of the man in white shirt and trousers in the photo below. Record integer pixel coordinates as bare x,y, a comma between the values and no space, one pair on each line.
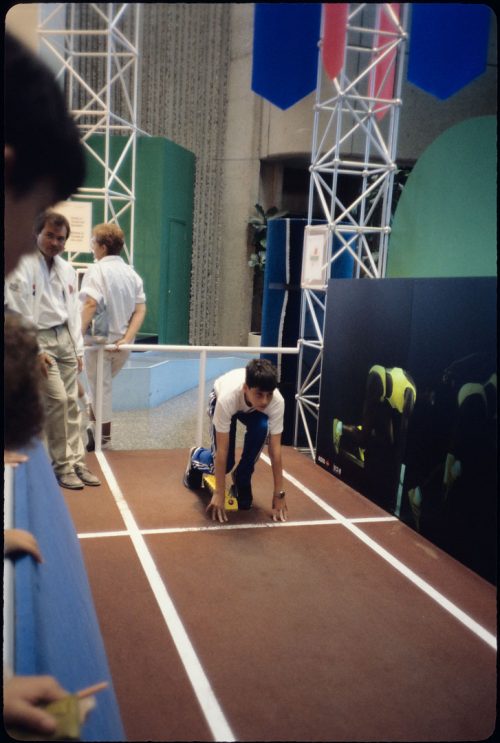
44,289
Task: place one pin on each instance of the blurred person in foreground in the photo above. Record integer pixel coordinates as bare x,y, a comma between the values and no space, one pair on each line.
43,164
43,157
23,421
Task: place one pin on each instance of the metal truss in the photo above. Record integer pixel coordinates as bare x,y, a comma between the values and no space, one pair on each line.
96,48
352,114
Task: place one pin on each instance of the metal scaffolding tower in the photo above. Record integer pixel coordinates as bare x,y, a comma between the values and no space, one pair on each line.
94,49
353,113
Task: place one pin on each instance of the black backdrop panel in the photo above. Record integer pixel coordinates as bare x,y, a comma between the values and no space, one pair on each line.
437,472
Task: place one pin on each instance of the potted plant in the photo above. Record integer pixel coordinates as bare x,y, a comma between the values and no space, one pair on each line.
257,261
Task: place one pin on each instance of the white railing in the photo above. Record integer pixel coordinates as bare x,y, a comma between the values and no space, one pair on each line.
203,351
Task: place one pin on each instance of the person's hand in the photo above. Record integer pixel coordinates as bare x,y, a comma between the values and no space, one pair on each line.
216,505
122,342
20,540
45,363
14,457
21,697
280,508
79,363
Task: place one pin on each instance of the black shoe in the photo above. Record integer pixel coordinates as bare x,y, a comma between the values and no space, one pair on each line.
90,439
192,477
243,494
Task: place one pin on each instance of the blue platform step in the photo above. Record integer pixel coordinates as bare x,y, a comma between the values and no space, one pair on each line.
150,378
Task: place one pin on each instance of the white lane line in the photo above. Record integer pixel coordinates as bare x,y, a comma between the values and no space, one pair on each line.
214,715
235,527
438,597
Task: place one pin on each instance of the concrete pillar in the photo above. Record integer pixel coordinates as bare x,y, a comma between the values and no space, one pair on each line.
240,191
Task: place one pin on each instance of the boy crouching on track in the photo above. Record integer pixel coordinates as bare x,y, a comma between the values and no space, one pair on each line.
248,395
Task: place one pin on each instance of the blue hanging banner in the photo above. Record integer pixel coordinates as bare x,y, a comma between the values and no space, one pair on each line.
448,46
285,51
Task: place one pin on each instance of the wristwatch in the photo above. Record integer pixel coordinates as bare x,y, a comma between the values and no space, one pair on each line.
279,495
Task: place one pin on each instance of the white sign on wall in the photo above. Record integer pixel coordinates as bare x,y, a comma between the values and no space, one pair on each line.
315,257
79,216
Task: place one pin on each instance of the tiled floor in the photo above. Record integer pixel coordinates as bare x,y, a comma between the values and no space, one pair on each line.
171,425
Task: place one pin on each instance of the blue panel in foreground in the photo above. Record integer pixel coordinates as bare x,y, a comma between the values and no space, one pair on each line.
56,627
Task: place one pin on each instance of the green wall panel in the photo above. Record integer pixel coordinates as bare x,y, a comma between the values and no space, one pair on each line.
446,220
164,191
163,235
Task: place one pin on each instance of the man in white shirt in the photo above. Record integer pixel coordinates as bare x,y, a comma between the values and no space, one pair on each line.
114,283
44,290
248,395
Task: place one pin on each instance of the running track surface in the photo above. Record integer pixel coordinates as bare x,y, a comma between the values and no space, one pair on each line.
341,625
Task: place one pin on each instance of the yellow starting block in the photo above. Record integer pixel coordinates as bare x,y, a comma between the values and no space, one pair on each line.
230,503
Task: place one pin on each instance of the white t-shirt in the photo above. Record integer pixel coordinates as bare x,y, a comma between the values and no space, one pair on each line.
52,308
121,287
231,400
30,290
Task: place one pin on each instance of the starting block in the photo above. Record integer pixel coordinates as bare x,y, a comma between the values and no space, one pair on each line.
230,502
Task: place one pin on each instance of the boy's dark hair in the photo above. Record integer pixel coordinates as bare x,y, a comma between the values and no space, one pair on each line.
38,127
50,217
263,375
23,407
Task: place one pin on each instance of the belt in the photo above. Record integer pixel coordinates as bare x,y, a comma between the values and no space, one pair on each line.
55,327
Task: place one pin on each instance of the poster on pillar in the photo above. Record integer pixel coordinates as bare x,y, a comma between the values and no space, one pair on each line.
408,405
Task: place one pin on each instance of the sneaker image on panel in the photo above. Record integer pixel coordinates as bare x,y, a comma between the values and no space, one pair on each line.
337,433
192,476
